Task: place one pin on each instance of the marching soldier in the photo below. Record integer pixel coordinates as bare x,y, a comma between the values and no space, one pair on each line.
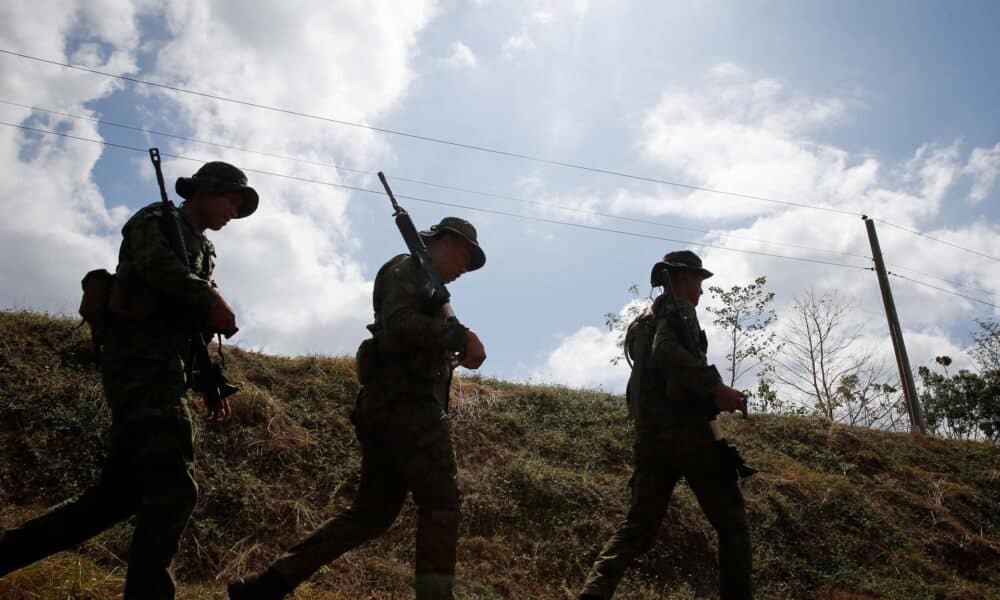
401,423
678,398
154,305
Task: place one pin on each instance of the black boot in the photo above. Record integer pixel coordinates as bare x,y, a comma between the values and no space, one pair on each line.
260,586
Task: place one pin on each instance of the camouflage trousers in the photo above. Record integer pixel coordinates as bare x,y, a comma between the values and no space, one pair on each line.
148,473
662,457
406,446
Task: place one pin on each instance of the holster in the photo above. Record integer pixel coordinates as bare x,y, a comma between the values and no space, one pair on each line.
732,462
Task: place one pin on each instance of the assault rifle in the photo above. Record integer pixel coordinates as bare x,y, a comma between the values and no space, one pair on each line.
203,375
729,452
418,250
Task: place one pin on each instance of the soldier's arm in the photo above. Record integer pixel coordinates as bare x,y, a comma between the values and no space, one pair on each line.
404,322
156,265
686,369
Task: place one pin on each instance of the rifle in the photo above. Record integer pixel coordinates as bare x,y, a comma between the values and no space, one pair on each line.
433,286
418,250
729,452
203,375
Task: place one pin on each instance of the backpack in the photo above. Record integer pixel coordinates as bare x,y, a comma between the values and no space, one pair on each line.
638,347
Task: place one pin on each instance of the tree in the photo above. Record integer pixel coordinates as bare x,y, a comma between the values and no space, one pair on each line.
744,315
966,405
820,361
986,345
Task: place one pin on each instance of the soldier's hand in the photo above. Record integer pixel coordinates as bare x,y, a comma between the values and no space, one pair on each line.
221,317
474,353
727,399
219,412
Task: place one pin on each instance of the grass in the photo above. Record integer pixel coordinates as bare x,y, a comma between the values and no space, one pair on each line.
836,512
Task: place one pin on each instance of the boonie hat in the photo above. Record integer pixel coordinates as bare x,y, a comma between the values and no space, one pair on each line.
680,259
220,177
466,231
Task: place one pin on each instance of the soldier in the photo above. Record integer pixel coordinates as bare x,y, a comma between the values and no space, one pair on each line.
678,398
401,423
154,306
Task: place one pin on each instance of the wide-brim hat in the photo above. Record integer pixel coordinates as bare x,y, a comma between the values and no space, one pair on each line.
220,177
464,229
681,259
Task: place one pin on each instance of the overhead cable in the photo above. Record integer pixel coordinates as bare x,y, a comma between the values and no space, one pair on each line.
233,146
475,147
451,204
941,289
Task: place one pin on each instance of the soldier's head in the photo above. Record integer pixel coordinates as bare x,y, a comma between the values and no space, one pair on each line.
454,248
684,269
216,194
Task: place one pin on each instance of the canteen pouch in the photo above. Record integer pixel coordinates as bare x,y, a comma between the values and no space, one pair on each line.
366,361
97,285
131,300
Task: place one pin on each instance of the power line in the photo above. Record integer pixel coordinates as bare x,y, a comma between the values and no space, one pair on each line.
941,289
232,146
939,240
451,204
422,137
950,282
297,159
478,148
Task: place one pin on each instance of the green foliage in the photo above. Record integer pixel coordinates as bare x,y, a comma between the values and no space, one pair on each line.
744,315
965,405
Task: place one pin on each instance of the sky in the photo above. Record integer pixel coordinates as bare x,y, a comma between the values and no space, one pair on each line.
886,109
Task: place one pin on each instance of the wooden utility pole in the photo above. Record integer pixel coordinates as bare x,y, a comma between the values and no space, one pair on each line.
895,331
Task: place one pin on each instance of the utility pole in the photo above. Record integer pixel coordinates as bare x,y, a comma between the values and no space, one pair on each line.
917,425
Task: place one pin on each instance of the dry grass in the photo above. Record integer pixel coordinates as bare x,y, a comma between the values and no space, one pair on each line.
836,512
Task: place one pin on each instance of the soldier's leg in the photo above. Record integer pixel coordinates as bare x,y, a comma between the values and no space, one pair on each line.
719,495
158,428
168,499
67,524
77,519
652,485
380,497
430,471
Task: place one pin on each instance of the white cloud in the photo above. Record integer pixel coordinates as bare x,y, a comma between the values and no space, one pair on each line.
517,44
727,70
291,269
757,137
583,359
984,167
461,56
343,59
58,226
542,15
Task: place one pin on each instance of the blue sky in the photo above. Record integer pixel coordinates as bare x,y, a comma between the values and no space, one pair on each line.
887,109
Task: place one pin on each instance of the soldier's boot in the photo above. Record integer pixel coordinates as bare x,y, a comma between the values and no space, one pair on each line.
434,586
267,585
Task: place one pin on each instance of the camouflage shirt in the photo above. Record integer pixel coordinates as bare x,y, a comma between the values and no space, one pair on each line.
415,341
677,381
151,270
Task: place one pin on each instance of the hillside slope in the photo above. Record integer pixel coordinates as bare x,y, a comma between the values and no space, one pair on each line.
835,512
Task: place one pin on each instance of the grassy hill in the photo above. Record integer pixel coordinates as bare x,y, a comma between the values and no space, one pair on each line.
836,512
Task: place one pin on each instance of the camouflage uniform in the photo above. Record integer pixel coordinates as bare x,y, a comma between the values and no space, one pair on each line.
148,472
406,442
673,439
